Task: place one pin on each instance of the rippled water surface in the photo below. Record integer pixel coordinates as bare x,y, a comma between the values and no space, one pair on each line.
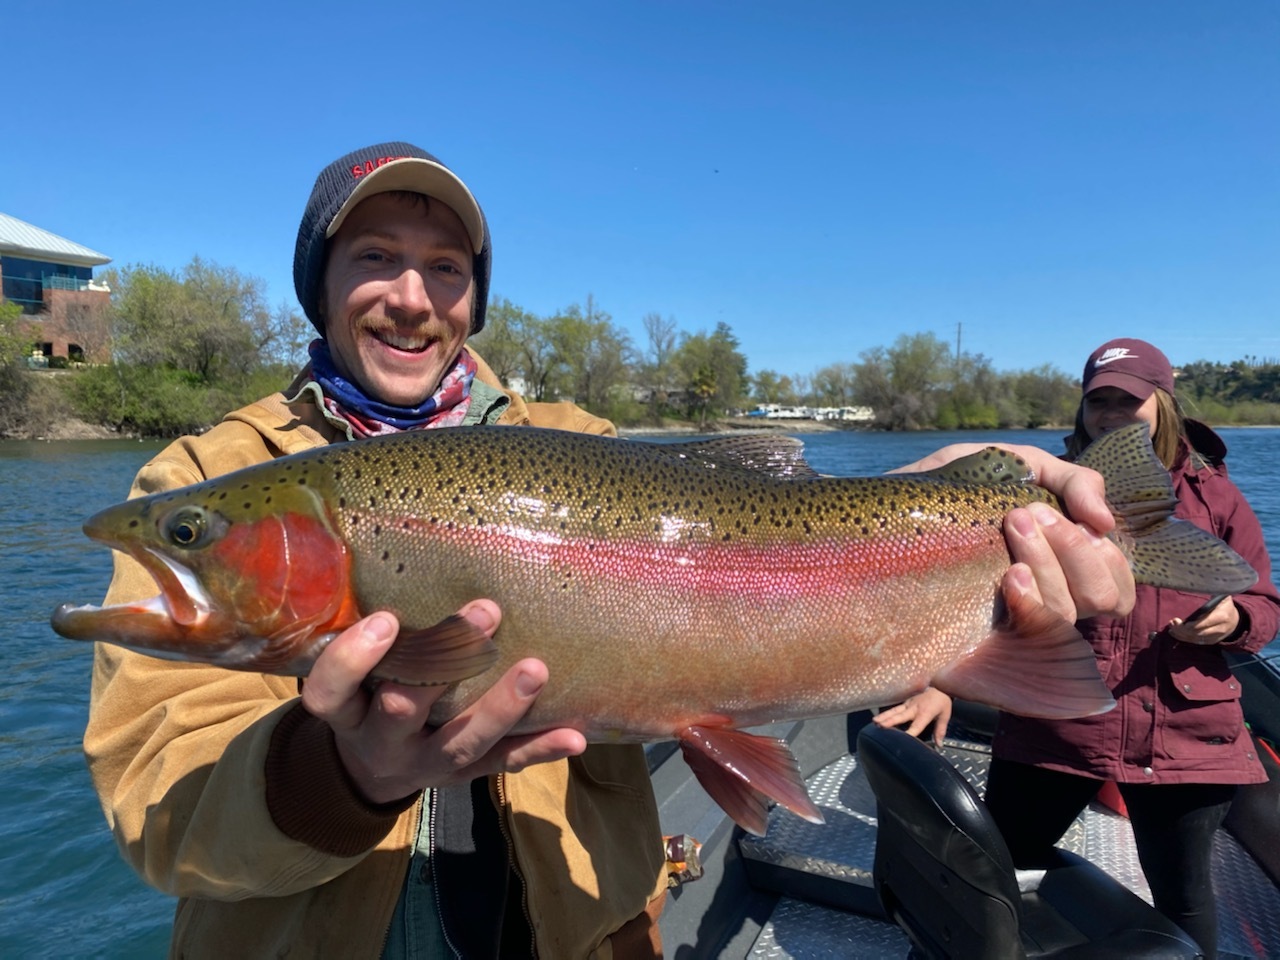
64,892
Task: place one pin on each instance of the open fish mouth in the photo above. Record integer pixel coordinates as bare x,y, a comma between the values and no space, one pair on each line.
182,606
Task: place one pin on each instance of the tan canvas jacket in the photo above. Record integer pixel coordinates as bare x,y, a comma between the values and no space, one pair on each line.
183,757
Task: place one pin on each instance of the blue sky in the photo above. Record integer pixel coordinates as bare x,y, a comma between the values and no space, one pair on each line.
823,177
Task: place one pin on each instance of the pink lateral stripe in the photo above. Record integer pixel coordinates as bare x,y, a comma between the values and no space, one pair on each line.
816,568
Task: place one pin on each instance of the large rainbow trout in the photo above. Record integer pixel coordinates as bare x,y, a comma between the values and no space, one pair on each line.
673,590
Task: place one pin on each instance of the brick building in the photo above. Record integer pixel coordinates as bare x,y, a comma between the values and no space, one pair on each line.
51,278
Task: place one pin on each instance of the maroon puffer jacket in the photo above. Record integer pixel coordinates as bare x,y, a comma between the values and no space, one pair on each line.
1177,717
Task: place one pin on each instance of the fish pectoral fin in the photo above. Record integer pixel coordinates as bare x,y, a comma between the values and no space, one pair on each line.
742,771
447,652
1035,664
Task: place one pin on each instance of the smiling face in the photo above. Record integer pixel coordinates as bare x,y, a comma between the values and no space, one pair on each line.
1109,408
398,288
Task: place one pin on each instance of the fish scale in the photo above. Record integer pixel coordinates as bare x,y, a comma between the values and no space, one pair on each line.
673,590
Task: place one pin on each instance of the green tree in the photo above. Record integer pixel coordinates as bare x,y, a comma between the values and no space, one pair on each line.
1045,397
592,357
975,393
209,320
290,335
713,358
500,342
703,389
657,370
15,383
768,386
833,385
902,384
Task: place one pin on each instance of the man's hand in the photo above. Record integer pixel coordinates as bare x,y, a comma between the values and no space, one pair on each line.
1077,572
381,734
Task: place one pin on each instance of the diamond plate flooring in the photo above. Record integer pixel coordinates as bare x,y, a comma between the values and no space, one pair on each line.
837,857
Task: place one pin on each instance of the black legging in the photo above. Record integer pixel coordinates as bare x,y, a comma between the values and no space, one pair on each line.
1173,826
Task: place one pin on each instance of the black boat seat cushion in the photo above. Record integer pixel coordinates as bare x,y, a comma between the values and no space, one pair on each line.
943,873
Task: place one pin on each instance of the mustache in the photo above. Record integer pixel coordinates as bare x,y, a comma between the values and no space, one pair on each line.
371,323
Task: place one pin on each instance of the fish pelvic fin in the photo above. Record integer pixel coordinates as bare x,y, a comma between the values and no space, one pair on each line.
1162,551
743,771
447,652
1034,664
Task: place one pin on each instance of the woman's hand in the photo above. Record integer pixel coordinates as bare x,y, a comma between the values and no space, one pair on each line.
1215,626
930,706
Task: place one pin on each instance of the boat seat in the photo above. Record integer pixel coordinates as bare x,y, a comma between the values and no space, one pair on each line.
944,875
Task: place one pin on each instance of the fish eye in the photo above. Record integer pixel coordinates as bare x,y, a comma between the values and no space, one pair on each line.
187,527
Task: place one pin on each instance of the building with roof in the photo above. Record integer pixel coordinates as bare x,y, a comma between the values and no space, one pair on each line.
51,279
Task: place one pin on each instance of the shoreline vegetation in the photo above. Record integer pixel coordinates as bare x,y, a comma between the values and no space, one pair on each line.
143,375
75,429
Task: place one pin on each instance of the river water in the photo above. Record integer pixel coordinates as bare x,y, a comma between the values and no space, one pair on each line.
64,891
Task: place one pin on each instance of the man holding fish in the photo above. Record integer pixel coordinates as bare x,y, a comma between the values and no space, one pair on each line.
336,816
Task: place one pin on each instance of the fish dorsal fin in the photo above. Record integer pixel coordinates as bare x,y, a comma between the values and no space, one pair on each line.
779,457
992,465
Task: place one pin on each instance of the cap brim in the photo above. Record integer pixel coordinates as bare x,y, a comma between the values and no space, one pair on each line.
1130,384
418,176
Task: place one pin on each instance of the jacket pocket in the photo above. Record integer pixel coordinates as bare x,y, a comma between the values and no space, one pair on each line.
1203,716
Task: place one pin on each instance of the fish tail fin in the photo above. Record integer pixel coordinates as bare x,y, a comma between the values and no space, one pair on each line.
742,771
1034,664
1162,551
447,652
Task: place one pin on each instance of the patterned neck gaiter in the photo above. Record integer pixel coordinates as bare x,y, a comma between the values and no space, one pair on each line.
371,418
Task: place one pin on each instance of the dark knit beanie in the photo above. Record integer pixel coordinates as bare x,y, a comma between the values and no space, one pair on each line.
382,168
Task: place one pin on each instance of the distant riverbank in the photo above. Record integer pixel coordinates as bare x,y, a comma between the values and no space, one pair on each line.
72,429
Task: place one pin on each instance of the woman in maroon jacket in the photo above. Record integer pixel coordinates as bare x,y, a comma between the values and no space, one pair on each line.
1176,743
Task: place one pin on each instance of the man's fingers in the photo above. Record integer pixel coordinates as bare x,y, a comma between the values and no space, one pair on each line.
333,689
515,753
1029,546
1077,573
483,614
474,732
1081,490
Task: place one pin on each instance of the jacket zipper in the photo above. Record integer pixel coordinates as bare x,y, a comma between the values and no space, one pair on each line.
435,878
500,786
